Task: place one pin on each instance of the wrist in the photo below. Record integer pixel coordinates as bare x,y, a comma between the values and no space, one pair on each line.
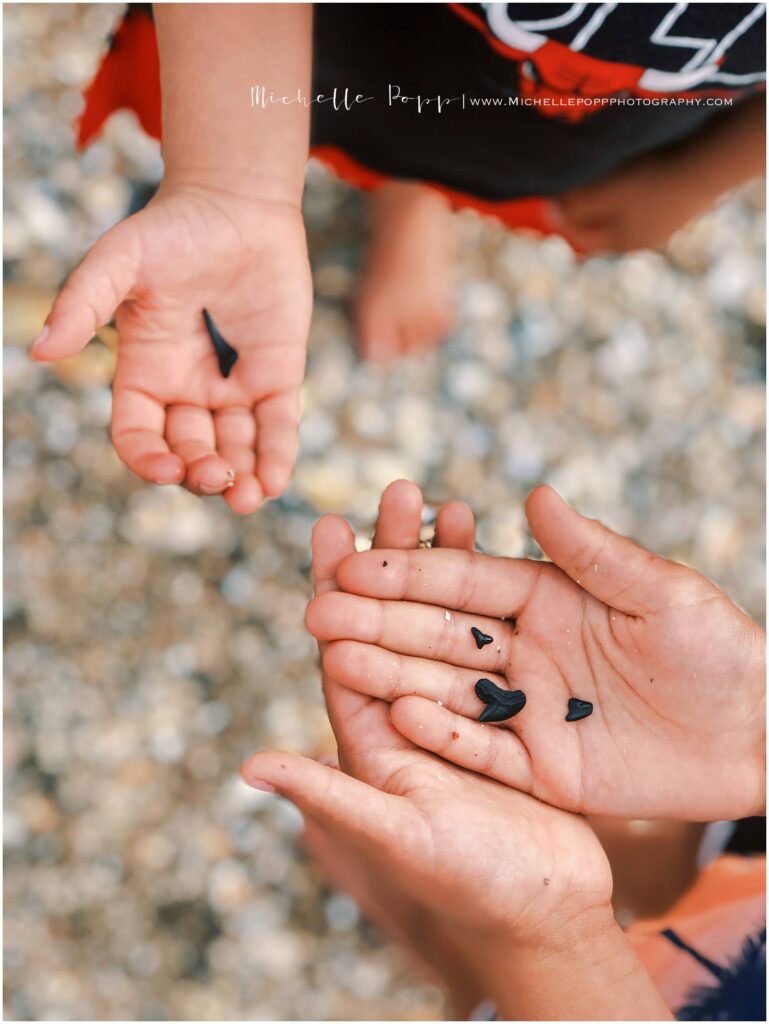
214,182
574,968
211,56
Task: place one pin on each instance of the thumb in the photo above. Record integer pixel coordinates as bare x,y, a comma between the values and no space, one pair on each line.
325,794
612,568
89,297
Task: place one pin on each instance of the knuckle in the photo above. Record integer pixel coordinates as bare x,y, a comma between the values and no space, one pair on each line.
401,681
341,658
490,753
464,580
458,690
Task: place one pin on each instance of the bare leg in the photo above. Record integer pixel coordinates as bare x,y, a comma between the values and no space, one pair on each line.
406,300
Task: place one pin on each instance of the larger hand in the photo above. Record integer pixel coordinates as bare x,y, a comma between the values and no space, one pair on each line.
674,670
504,897
175,418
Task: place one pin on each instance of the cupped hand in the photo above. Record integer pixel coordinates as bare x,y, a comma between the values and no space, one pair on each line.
175,418
462,849
673,669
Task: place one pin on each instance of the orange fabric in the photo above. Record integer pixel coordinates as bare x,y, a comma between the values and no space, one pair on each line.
725,905
128,76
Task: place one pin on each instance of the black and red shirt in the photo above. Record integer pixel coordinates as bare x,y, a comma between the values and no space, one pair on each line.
541,97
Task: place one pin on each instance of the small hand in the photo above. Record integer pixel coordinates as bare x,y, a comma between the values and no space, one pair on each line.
175,417
673,669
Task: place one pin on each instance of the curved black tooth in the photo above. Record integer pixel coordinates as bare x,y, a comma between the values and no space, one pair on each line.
495,713
486,691
226,355
501,704
481,638
500,712
513,699
578,709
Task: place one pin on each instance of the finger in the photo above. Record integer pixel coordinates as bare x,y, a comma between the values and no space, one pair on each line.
610,567
349,711
332,540
190,435
497,753
388,676
245,496
138,422
462,580
327,795
277,421
454,527
235,432
400,516
89,297
414,629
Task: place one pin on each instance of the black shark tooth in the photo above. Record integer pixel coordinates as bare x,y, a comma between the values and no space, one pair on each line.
226,355
578,709
481,638
501,704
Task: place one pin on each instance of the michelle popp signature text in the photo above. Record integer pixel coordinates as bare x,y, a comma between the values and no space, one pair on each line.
346,99
339,99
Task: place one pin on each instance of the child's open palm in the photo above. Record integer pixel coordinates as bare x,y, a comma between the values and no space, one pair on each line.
175,417
673,669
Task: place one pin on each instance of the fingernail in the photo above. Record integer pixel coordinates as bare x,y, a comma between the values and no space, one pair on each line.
231,474
40,338
266,787
208,489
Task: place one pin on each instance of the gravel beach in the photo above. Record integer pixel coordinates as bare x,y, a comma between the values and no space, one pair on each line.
153,639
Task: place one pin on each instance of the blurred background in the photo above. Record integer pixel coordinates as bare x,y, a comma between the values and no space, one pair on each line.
153,639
